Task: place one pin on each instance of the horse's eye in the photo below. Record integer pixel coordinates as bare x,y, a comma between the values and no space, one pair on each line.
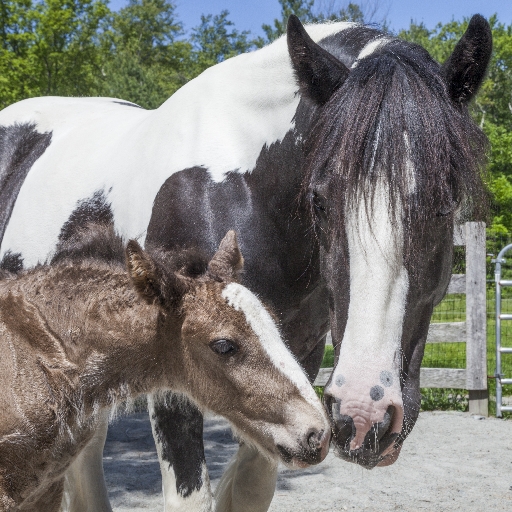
318,203
447,208
224,347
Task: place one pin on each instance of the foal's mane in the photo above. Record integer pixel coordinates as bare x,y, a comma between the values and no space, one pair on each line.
100,243
393,122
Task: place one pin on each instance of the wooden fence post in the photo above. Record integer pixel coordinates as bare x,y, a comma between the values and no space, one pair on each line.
476,319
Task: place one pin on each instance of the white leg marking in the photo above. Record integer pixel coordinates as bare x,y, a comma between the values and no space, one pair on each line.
84,483
198,501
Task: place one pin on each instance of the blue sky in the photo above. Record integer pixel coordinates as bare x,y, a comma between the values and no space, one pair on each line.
251,14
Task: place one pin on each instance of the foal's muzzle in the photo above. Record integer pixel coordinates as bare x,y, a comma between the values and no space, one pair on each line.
313,449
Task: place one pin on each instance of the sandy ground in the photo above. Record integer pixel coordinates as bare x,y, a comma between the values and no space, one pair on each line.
451,462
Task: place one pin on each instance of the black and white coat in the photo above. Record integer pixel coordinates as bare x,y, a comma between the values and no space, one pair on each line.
238,148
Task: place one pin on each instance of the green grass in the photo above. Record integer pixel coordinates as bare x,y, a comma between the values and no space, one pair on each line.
444,399
328,360
453,355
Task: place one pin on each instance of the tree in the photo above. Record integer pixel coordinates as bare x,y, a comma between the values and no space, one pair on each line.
49,47
145,59
303,9
215,40
309,11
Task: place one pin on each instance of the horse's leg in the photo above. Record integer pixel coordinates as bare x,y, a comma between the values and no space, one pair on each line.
178,431
249,483
84,483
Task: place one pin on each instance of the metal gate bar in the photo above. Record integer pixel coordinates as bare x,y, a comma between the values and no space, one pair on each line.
500,380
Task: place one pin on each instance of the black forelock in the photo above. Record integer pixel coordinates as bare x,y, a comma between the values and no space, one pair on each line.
358,137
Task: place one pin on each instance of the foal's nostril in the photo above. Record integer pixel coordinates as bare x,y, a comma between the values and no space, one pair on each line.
314,439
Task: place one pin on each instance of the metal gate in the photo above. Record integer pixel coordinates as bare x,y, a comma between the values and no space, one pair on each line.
500,378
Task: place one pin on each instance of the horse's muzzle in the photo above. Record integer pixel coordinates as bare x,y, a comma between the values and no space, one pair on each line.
380,446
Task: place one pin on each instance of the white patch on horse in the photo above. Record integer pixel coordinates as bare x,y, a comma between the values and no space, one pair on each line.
98,145
200,500
371,47
265,328
379,284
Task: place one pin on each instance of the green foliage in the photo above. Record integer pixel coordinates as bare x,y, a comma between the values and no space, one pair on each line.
49,47
444,400
491,108
215,40
301,8
328,360
310,12
144,59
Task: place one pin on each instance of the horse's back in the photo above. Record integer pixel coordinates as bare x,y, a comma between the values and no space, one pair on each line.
56,152
85,152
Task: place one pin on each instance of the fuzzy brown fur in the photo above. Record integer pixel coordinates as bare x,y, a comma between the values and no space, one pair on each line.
77,336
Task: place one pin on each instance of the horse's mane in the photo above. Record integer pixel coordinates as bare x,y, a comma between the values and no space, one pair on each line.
393,122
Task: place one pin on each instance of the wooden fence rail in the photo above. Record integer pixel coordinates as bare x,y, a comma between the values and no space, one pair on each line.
473,331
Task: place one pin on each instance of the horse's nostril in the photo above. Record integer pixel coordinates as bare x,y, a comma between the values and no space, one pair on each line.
378,438
381,428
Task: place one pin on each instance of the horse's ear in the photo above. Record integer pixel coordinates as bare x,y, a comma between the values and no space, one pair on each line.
465,69
228,261
151,284
318,72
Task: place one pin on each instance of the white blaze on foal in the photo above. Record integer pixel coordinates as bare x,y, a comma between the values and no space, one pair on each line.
242,299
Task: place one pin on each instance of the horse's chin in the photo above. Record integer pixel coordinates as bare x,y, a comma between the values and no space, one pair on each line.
367,458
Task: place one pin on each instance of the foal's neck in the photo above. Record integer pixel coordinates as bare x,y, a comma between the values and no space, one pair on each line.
112,338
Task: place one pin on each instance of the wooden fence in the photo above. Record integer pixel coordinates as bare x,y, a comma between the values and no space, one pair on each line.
473,331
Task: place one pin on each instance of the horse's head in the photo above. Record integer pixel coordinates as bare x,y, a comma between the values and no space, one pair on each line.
228,354
391,155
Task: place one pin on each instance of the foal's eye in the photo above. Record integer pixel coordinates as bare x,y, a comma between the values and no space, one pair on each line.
224,347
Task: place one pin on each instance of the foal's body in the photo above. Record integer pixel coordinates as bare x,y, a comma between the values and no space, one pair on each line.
52,334
77,337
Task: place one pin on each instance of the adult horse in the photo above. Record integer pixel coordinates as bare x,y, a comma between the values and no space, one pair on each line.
343,195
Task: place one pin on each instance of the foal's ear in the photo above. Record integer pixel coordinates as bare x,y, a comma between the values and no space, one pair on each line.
152,283
228,261
318,72
143,273
465,69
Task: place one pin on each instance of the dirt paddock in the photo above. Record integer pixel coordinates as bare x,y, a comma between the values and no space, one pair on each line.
451,462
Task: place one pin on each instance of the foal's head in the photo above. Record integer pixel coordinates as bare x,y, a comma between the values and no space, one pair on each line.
227,352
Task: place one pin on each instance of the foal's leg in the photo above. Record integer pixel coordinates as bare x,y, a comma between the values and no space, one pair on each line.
178,431
249,483
84,484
